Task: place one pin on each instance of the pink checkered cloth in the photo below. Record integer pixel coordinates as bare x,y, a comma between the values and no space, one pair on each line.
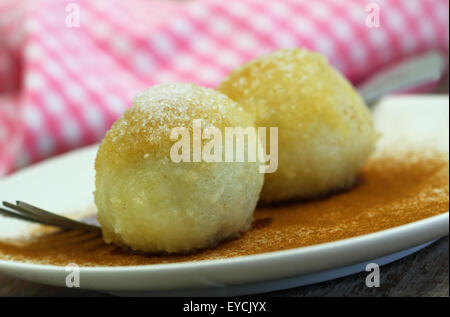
62,86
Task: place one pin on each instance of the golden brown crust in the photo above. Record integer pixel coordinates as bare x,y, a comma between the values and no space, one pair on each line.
144,129
301,84
149,202
325,131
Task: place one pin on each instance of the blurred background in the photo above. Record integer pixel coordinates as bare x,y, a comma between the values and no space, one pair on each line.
68,69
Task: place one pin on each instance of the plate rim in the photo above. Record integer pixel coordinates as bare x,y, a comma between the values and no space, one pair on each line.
437,220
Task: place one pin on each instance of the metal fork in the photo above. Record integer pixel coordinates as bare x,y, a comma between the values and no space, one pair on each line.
24,211
410,73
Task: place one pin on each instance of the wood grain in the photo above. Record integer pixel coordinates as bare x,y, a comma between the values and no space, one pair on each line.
425,273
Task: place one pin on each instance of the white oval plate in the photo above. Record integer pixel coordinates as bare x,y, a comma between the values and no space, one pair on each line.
64,184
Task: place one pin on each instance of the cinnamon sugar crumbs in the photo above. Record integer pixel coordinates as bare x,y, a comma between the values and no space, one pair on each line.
390,191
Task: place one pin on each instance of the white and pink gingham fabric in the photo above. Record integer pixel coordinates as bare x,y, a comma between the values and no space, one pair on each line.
62,87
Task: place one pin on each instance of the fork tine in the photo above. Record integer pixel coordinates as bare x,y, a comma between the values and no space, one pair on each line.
32,215
31,212
65,220
12,214
46,214
70,222
42,216
26,213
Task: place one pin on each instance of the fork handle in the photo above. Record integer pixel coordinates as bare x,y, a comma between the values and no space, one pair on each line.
408,74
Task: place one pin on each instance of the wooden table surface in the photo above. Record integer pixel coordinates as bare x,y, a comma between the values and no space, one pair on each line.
424,273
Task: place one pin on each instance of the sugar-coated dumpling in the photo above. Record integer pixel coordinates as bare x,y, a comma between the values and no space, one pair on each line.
325,131
150,203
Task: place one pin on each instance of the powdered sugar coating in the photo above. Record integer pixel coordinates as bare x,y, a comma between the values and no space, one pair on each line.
144,129
325,131
150,203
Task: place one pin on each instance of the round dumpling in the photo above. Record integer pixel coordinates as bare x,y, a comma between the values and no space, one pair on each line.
148,201
325,131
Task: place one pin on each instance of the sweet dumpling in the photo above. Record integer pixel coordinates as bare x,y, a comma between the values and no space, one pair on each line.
325,131
150,203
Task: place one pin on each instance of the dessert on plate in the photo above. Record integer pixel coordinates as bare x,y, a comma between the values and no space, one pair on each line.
325,131
151,203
